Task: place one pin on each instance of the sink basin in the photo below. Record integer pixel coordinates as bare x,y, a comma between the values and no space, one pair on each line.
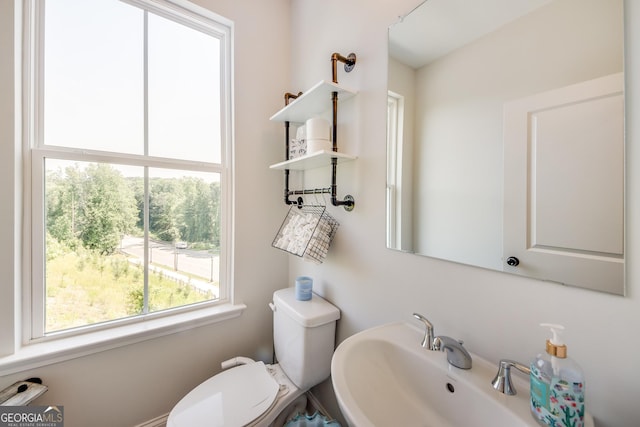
383,377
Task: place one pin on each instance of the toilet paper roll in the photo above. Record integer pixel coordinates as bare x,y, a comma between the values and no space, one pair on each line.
314,145
317,128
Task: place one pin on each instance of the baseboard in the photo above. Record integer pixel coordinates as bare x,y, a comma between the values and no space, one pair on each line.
160,421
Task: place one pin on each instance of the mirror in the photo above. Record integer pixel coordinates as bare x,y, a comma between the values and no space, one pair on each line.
505,137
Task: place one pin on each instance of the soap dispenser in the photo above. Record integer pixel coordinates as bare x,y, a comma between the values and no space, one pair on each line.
557,385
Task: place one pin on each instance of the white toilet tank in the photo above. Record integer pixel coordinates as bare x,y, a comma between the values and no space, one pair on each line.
304,337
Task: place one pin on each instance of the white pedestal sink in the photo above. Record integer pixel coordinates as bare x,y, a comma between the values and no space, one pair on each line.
383,377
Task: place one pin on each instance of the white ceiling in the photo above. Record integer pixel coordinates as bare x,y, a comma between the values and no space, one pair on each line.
437,27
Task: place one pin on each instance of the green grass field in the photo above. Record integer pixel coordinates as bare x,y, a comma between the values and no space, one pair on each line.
86,288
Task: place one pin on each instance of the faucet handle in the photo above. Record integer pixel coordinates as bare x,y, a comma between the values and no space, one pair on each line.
427,341
502,381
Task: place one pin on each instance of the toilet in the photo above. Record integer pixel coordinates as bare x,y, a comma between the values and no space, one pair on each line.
252,393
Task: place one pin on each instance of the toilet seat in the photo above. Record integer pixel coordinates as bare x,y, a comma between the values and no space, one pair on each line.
235,397
253,394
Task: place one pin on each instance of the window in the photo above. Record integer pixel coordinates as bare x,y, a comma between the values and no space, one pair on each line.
129,163
395,118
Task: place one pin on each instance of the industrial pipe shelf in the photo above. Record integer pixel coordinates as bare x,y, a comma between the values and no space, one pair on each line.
316,102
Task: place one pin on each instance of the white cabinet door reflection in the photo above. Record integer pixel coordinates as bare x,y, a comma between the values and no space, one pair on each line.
564,180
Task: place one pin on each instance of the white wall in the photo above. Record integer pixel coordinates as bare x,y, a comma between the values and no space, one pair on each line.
132,384
497,315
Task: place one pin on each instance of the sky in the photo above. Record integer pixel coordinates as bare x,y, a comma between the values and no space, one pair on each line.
94,94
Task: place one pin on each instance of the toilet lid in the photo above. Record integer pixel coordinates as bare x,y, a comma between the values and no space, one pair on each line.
232,398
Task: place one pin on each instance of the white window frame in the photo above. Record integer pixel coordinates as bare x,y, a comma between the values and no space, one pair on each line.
395,147
31,347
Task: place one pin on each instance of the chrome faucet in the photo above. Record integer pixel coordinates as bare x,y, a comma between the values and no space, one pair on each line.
502,381
457,355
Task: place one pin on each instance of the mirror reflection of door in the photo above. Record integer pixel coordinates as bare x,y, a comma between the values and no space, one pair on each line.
564,180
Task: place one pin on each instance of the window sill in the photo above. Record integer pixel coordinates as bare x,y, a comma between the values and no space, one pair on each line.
58,350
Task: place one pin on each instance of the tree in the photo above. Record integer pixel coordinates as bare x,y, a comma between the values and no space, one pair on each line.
165,199
64,199
214,189
93,204
197,218
109,208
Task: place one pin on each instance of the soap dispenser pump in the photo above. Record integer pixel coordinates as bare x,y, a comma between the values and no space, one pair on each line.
557,385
